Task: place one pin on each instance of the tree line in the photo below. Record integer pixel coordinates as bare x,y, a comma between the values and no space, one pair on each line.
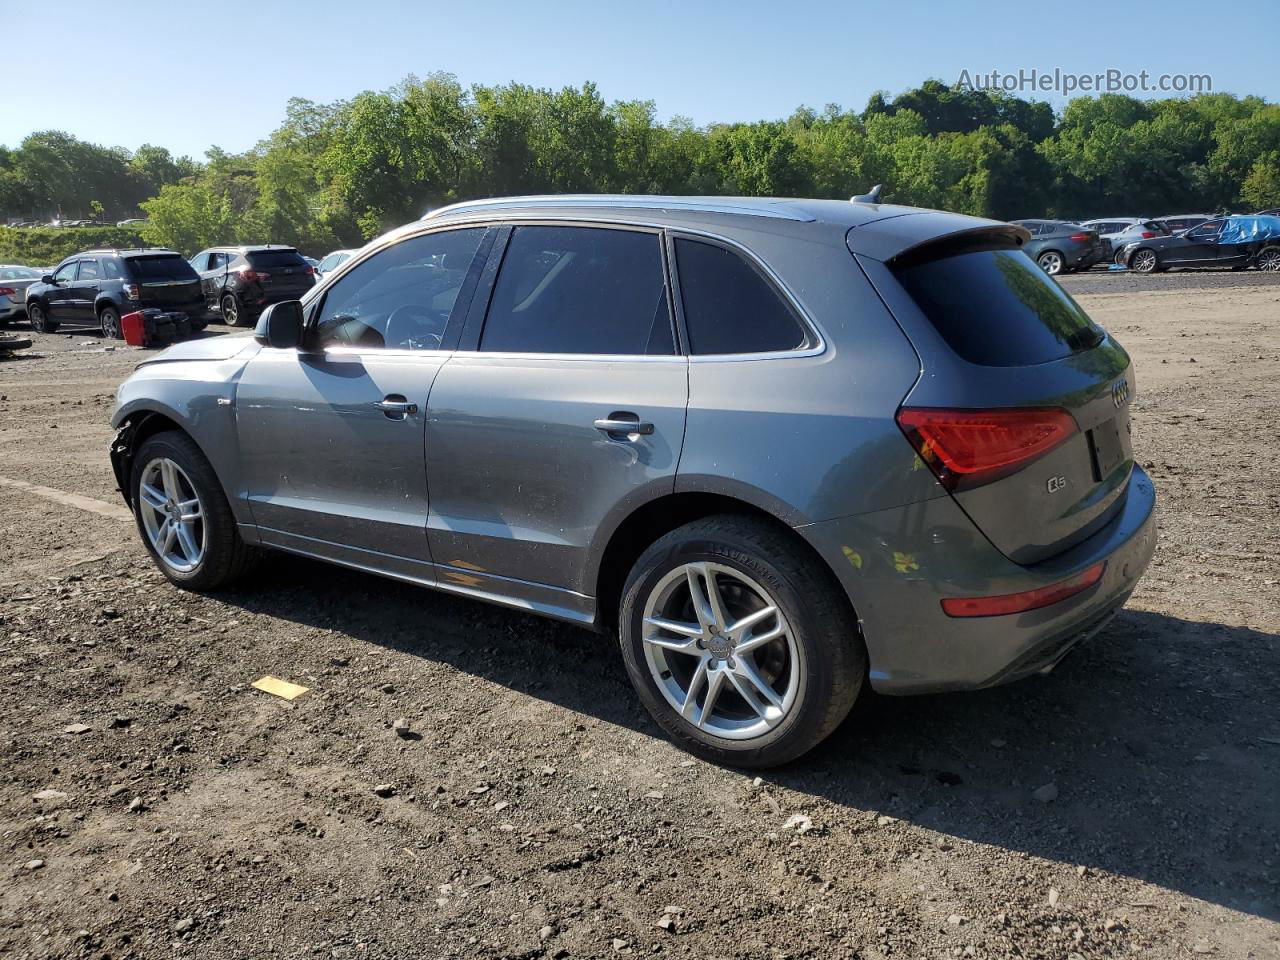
338,174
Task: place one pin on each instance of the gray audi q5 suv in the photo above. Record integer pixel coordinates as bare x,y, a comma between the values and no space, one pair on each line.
785,448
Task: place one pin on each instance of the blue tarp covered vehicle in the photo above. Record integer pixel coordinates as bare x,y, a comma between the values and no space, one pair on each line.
1234,242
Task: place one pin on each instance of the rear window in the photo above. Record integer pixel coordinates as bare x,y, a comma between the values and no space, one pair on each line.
172,267
998,309
266,259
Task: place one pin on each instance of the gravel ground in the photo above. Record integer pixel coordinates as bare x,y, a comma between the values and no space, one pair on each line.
1102,280
154,804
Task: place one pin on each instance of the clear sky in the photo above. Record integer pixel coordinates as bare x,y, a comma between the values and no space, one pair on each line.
188,75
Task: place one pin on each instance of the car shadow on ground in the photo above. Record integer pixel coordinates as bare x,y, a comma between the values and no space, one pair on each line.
1160,736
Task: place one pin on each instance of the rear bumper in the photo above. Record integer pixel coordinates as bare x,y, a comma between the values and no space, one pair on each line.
898,565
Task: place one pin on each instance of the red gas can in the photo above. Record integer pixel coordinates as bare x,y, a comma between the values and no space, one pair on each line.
134,327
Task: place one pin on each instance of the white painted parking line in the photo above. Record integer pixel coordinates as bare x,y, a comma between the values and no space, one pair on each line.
101,507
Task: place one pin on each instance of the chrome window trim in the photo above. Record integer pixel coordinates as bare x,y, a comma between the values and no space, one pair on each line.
490,219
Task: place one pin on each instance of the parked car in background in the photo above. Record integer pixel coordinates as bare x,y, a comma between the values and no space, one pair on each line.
239,282
312,262
96,288
943,528
14,281
1273,212
1236,242
1059,246
1108,229
131,222
1185,221
334,260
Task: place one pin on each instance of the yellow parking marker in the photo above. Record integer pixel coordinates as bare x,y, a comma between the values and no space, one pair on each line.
279,688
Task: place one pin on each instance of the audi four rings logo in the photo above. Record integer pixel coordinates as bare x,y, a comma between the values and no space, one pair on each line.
1120,392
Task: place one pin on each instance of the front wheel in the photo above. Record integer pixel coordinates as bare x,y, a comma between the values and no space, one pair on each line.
1145,261
230,311
739,642
183,516
109,321
1051,262
1269,259
40,319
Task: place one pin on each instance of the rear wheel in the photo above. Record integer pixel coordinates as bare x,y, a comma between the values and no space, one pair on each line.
1269,259
39,319
1145,261
1051,262
739,643
109,321
183,516
230,310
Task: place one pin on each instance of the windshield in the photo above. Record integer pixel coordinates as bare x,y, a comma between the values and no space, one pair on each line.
172,267
998,309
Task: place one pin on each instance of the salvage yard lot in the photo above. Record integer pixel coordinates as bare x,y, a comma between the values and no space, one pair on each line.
1125,805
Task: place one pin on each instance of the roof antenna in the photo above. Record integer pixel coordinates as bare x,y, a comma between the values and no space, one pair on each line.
872,196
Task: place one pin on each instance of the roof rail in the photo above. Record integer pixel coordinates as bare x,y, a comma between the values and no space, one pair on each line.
744,206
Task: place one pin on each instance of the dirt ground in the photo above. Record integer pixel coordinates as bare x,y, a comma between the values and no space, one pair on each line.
536,812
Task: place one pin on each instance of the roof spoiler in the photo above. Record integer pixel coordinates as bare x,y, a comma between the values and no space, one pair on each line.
931,233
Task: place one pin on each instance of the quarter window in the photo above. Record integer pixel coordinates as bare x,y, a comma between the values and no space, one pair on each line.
400,298
580,290
728,306
111,269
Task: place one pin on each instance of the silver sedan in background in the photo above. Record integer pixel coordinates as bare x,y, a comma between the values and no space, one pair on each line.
14,280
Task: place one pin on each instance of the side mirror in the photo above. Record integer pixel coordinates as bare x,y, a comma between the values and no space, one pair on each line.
280,325
48,278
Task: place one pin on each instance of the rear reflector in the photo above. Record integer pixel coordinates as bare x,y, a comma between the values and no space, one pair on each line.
967,448
1027,600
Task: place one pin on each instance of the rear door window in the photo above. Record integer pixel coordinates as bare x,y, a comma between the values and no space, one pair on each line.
729,307
88,270
995,307
580,290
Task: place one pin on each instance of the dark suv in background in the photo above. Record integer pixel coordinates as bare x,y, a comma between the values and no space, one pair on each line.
239,282
1060,247
95,288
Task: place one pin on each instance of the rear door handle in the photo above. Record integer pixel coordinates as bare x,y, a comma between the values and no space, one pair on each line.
622,425
396,407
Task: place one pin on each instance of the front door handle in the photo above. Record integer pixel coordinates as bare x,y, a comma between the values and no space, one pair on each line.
621,426
396,407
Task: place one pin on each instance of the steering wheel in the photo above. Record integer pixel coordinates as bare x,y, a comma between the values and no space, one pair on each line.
405,327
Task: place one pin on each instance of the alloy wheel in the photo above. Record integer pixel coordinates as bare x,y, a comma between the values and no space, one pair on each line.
720,650
109,320
1051,264
230,312
1269,260
35,314
1144,261
172,515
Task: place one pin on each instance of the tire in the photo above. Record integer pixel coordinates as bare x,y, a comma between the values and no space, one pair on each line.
1268,259
1144,260
39,319
221,556
814,668
1052,262
109,323
230,310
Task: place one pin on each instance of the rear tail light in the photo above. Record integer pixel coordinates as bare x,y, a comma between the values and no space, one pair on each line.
132,291
8,292
1082,237
249,275
1008,603
1147,235
967,448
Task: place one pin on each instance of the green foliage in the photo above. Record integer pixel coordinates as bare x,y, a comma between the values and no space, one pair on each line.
45,246
338,174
